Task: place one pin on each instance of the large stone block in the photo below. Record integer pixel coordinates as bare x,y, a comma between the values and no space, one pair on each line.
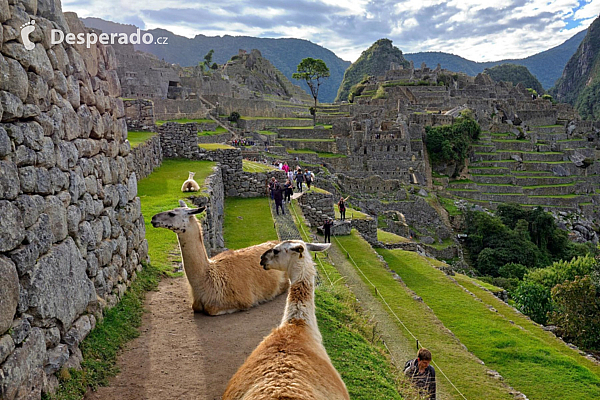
39,238
9,180
57,212
58,287
22,376
17,84
11,105
12,231
9,293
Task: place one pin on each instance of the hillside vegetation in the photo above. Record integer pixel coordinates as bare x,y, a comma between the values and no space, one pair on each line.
579,84
374,61
546,66
515,74
285,54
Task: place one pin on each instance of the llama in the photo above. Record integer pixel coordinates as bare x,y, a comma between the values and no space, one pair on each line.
190,185
291,363
231,281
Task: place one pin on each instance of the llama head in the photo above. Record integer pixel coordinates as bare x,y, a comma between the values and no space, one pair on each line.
191,175
285,255
178,219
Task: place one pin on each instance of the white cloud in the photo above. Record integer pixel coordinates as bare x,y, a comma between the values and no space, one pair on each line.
480,30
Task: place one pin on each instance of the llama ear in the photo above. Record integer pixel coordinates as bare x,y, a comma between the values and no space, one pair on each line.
298,249
182,203
196,210
317,246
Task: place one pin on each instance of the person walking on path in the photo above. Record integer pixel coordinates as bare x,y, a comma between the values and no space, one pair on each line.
327,225
421,373
308,177
299,180
285,167
278,197
342,207
288,189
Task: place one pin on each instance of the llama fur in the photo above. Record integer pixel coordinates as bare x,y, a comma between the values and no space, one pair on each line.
190,185
291,363
231,281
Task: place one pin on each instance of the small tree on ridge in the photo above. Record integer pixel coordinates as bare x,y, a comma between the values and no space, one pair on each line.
313,71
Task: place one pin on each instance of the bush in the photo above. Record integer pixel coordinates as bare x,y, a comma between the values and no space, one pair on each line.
533,300
577,312
513,270
451,143
234,117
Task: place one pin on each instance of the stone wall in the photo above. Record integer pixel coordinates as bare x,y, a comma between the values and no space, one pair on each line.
317,207
179,140
168,109
71,230
213,198
144,158
139,114
367,228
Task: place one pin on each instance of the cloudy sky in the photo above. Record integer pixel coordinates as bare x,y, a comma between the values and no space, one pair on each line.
480,30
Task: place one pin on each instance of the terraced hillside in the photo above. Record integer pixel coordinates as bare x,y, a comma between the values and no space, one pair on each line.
535,171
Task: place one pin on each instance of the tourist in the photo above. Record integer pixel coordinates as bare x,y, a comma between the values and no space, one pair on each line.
327,225
278,197
342,207
271,186
299,179
421,373
307,177
286,167
288,190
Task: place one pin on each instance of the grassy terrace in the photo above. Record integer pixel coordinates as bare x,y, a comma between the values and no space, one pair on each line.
267,132
252,166
350,213
390,238
530,359
319,153
218,130
247,222
214,146
138,137
186,120
161,191
286,119
347,335
448,204
471,377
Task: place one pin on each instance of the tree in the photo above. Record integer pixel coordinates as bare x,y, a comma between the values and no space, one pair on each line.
207,60
533,300
313,71
577,312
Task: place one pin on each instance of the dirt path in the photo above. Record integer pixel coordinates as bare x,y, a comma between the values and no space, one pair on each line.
182,355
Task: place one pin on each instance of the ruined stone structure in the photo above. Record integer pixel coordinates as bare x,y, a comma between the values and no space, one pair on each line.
71,230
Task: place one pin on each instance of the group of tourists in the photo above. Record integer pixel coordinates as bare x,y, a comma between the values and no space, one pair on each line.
242,142
280,193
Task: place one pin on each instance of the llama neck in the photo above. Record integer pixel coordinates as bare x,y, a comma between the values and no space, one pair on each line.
193,253
300,303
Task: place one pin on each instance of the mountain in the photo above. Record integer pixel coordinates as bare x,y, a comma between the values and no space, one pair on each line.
515,74
546,66
579,84
285,54
374,61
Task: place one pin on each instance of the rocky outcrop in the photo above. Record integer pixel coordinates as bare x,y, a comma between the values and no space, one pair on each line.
71,229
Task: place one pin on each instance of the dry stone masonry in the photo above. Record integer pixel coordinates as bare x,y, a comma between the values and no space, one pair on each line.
71,229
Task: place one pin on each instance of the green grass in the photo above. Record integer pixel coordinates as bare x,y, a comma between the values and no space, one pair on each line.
558,196
314,189
185,121
350,213
390,238
253,166
247,222
218,130
287,119
160,192
305,140
137,137
321,154
530,359
460,366
267,133
215,146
